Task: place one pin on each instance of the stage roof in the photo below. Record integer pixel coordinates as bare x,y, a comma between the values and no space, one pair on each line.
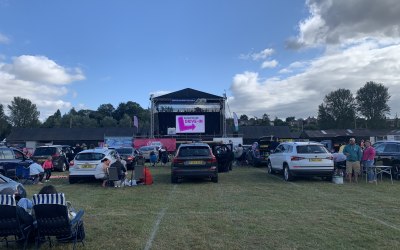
187,95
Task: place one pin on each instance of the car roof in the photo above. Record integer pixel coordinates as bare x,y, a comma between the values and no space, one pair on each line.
49,146
302,143
194,144
96,150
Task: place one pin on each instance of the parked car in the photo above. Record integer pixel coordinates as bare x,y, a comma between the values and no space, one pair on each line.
130,155
6,182
145,151
60,161
10,158
388,152
194,160
84,164
301,159
257,157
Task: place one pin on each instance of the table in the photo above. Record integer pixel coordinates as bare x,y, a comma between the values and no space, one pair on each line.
380,170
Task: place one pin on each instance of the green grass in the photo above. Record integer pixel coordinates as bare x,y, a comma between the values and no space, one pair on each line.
247,209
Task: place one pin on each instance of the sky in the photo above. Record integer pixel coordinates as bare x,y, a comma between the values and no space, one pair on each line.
269,57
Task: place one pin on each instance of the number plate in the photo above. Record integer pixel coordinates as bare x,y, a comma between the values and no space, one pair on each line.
87,166
195,162
316,159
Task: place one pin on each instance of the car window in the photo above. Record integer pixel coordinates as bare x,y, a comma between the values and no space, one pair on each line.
89,156
194,151
18,155
311,149
380,147
391,148
1,179
286,148
279,149
124,151
6,154
45,151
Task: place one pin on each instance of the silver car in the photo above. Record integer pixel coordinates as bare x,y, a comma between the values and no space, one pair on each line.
18,188
145,151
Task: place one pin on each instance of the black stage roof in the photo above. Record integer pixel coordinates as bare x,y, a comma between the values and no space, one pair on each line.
187,95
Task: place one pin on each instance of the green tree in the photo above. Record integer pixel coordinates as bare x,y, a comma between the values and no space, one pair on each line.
106,109
23,113
108,122
53,121
372,103
325,119
126,122
279,122
341,106
5,126
265,120
244,118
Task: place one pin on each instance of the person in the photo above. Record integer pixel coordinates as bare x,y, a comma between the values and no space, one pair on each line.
368,161
77,148
84,147
91,146
339,159
353,157
153,158
48,189
25,218
121,169
36,171
238,153
105,165
362,145
342,145
48,166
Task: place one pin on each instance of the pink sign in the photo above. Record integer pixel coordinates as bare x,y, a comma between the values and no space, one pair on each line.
168,143
190,124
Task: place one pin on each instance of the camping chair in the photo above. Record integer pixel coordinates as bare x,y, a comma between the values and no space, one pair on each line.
51,214
23,176
113,176
10,224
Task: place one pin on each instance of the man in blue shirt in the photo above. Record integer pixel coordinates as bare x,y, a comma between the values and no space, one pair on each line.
353,157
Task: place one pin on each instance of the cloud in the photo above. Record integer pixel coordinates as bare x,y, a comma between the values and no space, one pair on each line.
269,64
343,21
4,39
38,79
299,95
295,66
257,56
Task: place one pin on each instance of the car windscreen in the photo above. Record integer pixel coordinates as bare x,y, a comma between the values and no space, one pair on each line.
311,149
124,151
45,151
146,148
89,156
194,151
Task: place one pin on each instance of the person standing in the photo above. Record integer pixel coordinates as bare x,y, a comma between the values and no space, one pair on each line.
368,161
48,166
105,165
353,157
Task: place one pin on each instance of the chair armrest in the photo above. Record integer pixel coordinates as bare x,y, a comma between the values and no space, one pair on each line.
77,217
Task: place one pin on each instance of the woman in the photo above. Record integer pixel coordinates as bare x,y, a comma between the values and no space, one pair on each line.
368,160
105,166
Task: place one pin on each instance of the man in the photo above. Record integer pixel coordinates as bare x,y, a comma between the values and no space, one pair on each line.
36,171
353,157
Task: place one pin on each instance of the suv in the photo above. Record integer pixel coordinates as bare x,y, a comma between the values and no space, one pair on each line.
301,159
10,158
85,162
60,161
388,152
194,160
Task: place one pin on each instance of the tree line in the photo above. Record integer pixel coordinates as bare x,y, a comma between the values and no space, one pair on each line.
339,109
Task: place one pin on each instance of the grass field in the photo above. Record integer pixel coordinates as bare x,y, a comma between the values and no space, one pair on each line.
247,209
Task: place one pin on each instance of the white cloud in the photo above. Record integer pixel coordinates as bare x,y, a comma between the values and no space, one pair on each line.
299,65
38,79
344,21
300,95
269,64
4,39
257,56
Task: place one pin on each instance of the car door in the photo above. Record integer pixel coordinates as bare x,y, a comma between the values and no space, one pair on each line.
277,157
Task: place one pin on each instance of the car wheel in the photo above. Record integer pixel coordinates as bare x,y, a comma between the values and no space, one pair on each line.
64,167
270,170
214,179
286,173
72,180
174,179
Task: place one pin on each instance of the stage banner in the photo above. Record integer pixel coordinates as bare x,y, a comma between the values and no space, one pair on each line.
236,122
190,124
168,143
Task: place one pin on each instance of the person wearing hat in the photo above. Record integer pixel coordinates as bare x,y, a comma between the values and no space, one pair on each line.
353,158
105,165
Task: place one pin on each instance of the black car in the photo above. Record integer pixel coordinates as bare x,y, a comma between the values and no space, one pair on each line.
194,160
10,158
130,155
388,152
60,161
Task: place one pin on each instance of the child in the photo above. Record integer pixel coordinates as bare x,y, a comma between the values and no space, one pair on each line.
48,166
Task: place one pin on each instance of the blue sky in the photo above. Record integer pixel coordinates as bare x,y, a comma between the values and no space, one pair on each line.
274,57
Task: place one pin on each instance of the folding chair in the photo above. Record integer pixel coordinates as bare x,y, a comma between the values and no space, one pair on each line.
23,176
113,176
10,224
51,214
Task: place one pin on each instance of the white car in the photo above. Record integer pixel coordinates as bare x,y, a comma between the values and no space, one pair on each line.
145,151
301,159
84,164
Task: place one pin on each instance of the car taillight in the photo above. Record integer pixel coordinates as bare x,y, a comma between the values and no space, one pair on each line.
130,158
296,158
56,155
175,160
71,163
212,160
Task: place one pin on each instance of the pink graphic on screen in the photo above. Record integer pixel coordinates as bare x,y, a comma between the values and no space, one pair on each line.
190,124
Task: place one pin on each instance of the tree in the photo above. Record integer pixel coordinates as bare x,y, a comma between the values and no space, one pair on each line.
372,102
265,120
53,121
279,122
125,122
23,113
106,109
339,105
325,119
108,122
244,118
5,127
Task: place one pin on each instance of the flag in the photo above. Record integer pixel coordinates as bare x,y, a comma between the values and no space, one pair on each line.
135,122
236,122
